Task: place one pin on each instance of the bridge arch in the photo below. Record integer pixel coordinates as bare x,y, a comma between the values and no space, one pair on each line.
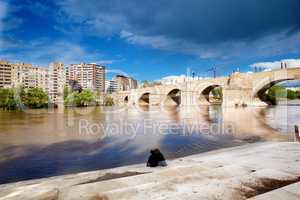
263,83
260,91
126,99
206,91
144,99
173,97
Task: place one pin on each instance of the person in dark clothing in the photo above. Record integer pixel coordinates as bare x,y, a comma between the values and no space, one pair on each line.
156,158
160,158
152,161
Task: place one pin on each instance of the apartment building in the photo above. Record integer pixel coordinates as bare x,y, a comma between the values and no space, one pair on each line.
133,84
51,80
41,78
5,74
112,86
89,76
100,78
56,82
126,83
29,77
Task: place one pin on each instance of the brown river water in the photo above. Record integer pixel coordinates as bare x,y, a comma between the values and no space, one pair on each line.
43,143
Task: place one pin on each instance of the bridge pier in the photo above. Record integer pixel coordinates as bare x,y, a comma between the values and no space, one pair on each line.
233,96
156,99
192,98
203,101
187,98
237,96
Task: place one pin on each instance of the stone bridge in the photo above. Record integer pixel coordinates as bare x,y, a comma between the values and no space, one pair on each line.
238,89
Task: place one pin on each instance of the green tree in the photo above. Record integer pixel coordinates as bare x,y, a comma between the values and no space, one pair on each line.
297,93
291,94
7,100
275,92
83,98
70,100
35,98
280,92
109,101
17,97
217,93
86,97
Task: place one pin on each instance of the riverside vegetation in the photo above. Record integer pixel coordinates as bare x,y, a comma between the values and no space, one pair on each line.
84,97
35,98
279,92
78,98
16,98
274,94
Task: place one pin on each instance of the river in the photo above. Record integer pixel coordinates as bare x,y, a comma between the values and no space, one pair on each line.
43,143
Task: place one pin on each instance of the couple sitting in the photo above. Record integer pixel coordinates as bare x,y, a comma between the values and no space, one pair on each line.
156,159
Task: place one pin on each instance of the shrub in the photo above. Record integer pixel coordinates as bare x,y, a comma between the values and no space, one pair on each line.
109,101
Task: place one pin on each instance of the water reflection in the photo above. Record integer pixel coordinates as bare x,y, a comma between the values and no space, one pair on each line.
41,143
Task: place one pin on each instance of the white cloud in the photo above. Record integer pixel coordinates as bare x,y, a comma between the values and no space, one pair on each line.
42,52
106,62
291,63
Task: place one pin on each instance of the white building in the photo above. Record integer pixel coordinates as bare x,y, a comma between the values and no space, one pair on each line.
29,76
112,86
89,76
5,74
56,81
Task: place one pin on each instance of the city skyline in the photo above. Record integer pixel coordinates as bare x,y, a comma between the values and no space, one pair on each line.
56,77
130,38
110,72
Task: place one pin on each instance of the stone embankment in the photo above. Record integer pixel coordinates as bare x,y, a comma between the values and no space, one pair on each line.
249,171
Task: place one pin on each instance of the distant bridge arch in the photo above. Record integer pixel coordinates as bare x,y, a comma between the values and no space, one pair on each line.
173,97
264,84
261,92
144,99
126,99
205,93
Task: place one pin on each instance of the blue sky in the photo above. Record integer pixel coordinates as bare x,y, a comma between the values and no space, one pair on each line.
152,39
